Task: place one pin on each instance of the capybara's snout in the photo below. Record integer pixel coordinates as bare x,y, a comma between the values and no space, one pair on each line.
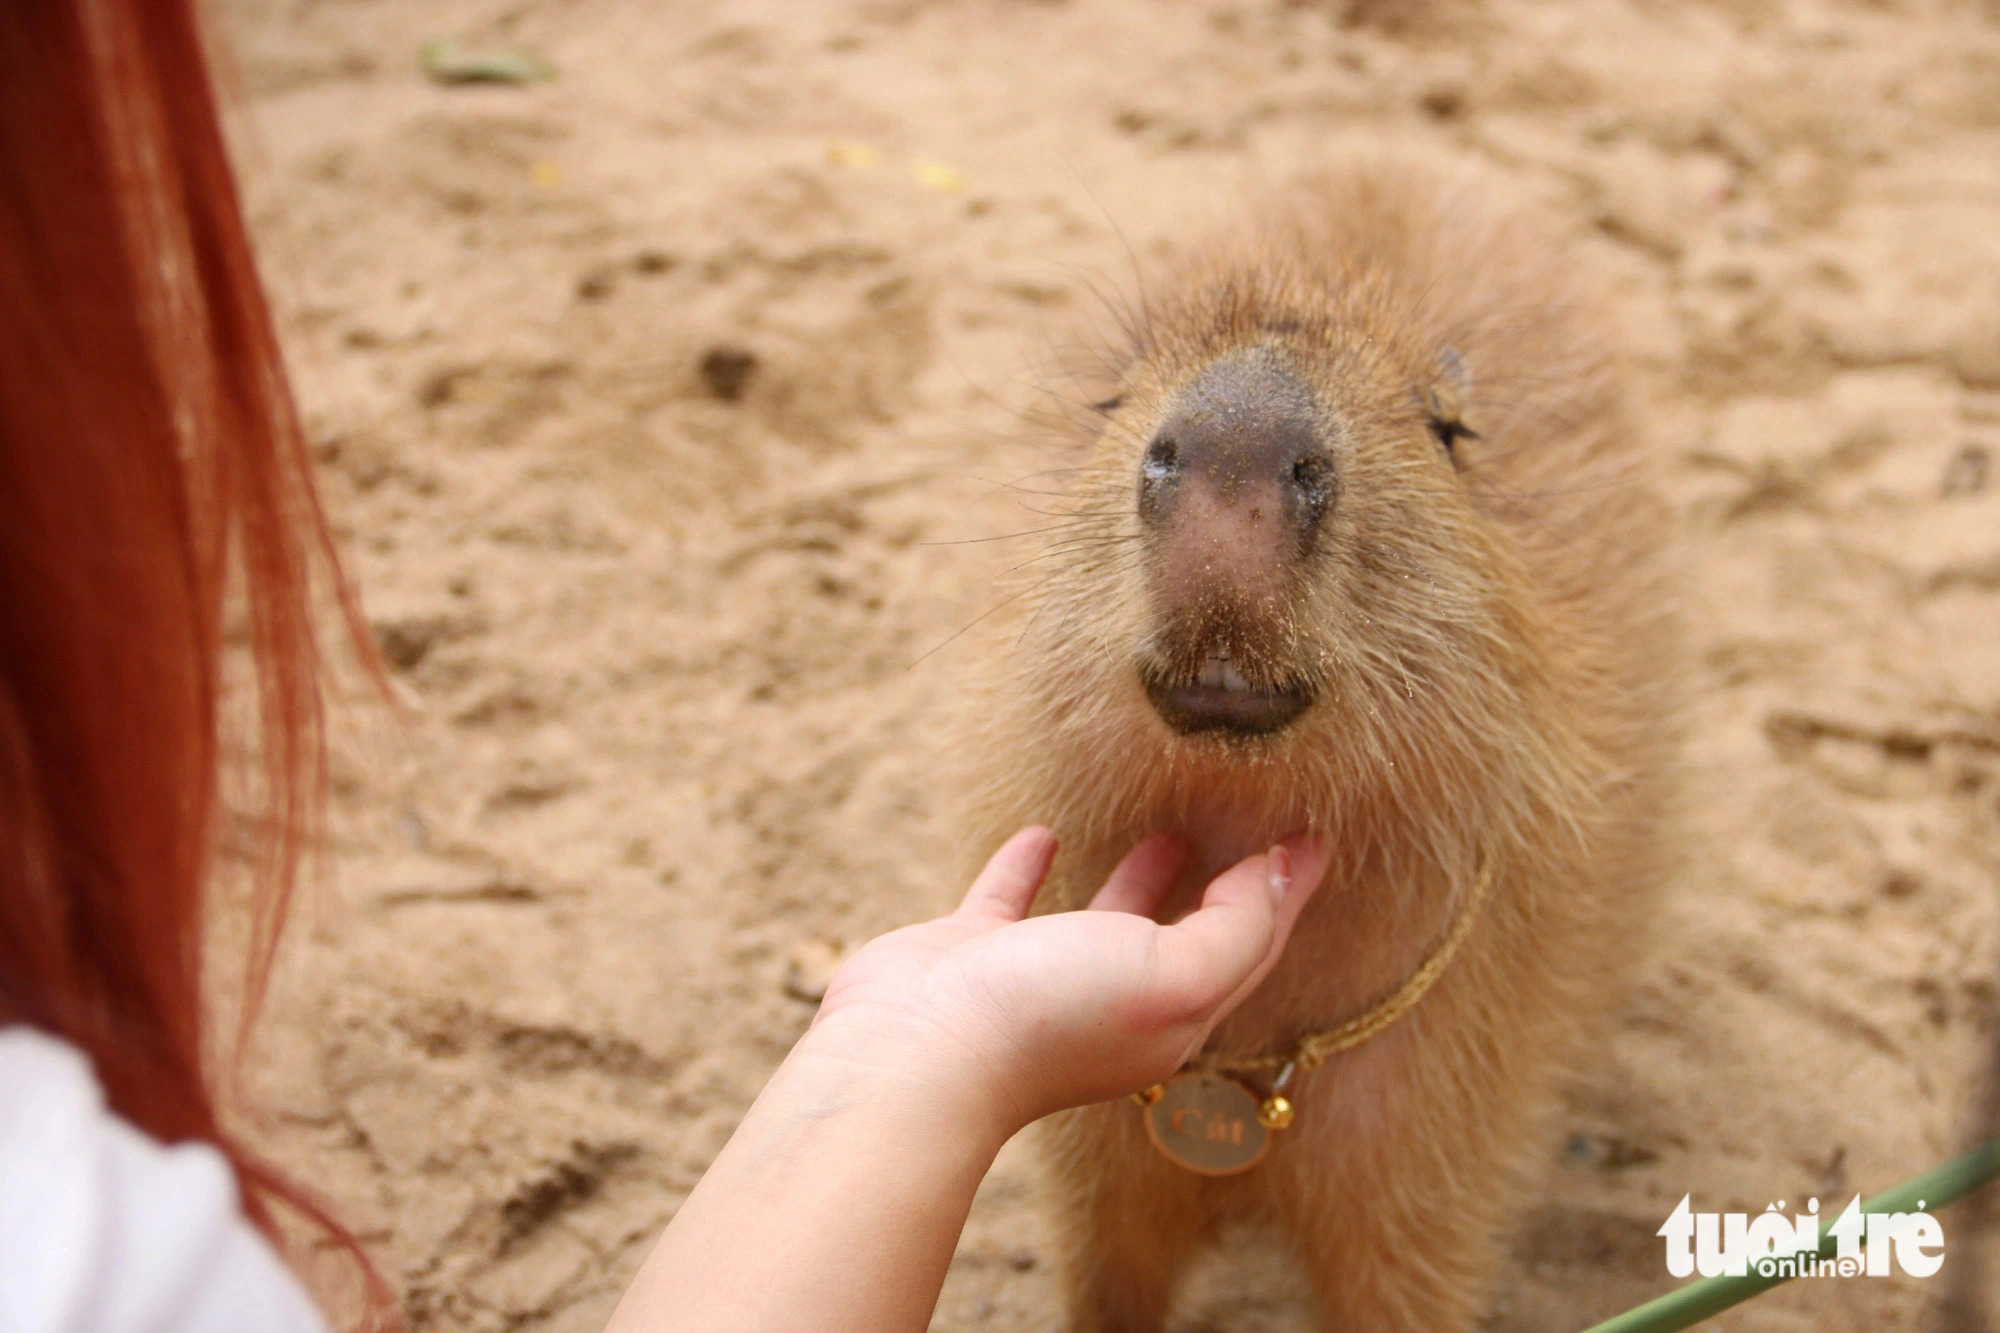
1233,491
1236,482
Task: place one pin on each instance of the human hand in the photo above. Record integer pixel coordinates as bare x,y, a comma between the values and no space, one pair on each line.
1029,1015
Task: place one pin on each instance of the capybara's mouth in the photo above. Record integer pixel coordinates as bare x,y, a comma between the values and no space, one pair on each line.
1221,699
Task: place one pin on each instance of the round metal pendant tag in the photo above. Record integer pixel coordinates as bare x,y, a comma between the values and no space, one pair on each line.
1208,1124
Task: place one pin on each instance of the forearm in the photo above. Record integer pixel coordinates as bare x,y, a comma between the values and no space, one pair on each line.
838,1202
836,1205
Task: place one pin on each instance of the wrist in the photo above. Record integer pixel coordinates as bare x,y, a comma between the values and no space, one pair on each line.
877,1055
838,1201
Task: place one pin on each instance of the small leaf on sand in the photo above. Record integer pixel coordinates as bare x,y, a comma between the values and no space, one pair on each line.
445,61
939,176
853,155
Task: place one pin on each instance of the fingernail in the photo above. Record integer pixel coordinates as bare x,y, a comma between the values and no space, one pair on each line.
1278,868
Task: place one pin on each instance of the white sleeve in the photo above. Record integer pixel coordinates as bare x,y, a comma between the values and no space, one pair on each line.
102,1230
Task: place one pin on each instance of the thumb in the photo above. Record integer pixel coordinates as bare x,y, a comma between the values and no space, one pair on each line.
1006,888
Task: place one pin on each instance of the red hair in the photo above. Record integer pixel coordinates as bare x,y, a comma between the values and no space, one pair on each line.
156,500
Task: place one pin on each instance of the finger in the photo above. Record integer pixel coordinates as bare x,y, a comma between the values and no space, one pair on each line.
1206,956
1144,877
1219,953
1299,865
1007,886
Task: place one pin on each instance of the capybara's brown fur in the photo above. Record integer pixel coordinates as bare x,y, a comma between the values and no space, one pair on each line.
1359,540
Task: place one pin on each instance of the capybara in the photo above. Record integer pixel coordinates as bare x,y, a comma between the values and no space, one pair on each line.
1357,536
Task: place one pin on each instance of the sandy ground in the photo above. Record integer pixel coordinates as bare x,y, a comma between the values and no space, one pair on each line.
666,636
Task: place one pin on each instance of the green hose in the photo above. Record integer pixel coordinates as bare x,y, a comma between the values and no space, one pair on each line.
1712,1295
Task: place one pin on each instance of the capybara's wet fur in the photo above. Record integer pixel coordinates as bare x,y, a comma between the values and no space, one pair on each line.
1357,538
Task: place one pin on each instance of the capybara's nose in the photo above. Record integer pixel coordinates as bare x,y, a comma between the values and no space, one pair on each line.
1237,483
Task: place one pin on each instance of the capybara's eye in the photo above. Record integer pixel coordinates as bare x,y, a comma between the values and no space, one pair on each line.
1449,433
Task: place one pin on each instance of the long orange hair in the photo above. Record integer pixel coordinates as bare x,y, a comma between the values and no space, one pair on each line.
156,501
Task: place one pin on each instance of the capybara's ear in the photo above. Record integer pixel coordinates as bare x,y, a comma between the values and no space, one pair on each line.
1455,374
1445,399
